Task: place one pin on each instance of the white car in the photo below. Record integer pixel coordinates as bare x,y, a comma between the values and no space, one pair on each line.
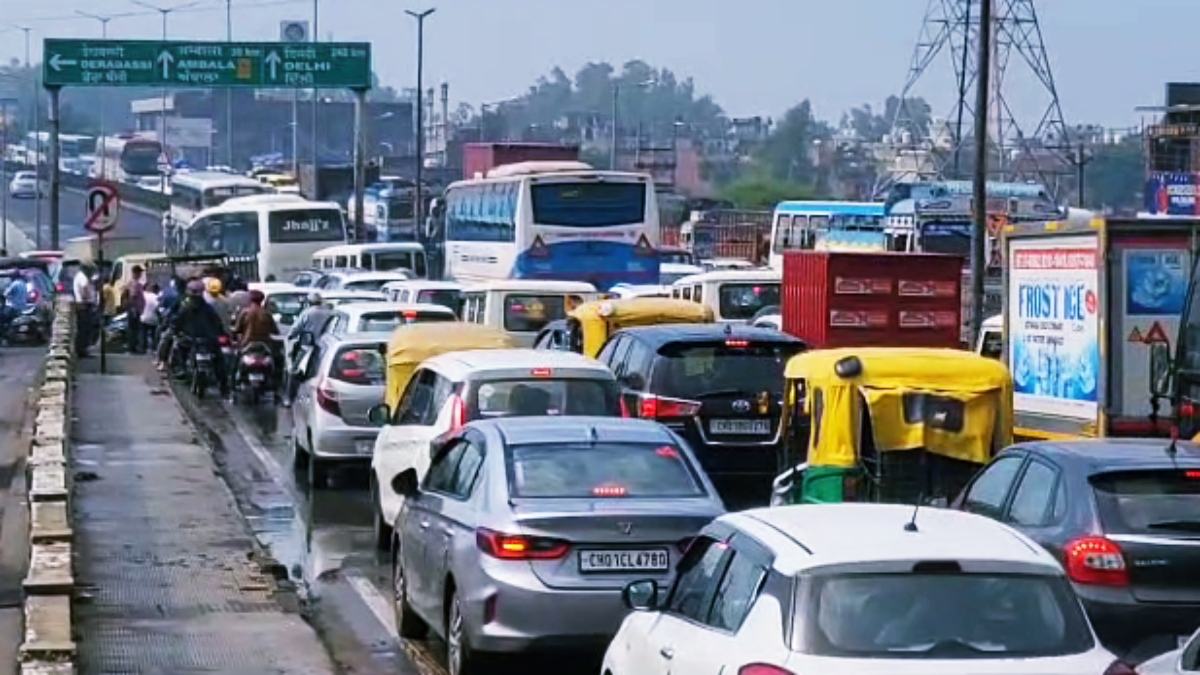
445,293
24,184
669,273
1185,659
383,317
774,321
360,281
640,291
868,589
452,389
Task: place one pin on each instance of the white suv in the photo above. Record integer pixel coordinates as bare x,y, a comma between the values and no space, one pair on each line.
452,389
859,588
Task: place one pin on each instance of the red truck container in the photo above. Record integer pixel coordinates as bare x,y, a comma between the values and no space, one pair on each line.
836,299
479,157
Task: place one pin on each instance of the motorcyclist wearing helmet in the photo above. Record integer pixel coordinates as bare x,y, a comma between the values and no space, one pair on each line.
314,315
214,294
255,325
199,321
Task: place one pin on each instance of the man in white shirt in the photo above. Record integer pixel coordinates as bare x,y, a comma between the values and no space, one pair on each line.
150,318
85,311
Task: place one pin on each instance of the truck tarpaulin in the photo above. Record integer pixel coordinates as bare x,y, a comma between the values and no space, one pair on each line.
1172,194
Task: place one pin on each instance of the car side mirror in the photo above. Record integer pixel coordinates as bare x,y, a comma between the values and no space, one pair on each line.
938,502
635,381
1160,369
379,415
640,595
405,483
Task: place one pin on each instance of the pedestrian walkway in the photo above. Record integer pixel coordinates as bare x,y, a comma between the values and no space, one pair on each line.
166,583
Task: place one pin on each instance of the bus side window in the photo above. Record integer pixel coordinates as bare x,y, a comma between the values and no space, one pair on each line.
698,293
686,293
341,261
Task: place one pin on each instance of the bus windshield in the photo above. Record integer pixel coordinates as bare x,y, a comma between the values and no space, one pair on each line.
140,159
590,204
951,238
399,208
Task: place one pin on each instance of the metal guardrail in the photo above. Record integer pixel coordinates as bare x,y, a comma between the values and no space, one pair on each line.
130,194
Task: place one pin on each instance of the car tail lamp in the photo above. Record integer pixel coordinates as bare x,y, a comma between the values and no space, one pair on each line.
458,413
661,407
519,546
327,399
60,287
737,343
1187,409
1120,668
223,340
256,361
763,669
1096,561
610,491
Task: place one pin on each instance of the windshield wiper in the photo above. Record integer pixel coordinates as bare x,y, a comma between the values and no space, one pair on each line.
1181,525
954,646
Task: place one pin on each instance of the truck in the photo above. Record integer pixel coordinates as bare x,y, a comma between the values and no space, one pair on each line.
1093,327
478,158
834,299
333,182
726,233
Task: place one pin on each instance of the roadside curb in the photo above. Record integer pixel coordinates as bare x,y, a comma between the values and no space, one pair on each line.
49,647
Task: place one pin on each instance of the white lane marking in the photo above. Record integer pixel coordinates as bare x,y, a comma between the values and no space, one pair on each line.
375,601
260,451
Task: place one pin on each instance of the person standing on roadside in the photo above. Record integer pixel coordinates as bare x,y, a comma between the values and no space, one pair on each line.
85,311
150,318
133,310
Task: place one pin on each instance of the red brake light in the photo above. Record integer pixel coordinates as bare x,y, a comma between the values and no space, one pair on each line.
1096,561
519,546
762,669
409,314
1192,475
60,287
458,414
1120,668
542,372
737,343
327,399
661,407
223,340
609,491
1187,409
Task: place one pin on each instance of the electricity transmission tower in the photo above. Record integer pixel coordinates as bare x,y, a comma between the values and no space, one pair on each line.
1021,149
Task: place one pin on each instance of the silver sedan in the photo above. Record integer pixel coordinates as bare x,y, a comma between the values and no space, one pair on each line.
524,531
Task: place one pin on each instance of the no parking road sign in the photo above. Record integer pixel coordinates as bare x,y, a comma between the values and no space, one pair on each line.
103,203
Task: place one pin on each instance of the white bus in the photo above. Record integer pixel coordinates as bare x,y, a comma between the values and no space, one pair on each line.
195,191
264,236
552,220
808,225
127,158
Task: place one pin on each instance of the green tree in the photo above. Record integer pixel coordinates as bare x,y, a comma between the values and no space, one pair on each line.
788,154
1115,177
760,191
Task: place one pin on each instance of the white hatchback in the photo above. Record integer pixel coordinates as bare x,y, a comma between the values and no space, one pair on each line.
868,589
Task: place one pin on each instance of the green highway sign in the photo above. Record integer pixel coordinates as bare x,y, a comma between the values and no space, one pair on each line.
153,63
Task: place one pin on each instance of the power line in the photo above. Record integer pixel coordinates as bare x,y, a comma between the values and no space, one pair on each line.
216,7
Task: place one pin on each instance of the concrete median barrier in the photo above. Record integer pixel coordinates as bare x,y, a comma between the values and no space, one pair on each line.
49,647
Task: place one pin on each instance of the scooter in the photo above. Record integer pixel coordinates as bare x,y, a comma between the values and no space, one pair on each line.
27,327
257,371
203,372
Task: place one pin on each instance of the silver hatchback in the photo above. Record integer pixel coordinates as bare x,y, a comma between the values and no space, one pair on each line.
524,531
340,380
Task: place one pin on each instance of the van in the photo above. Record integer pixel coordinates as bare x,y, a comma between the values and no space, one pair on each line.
374,257
733,295
522,308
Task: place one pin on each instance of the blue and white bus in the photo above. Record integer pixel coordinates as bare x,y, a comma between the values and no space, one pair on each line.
553,220
387,212
808,225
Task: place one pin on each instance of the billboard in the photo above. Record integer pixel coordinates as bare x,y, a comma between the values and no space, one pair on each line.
1172,194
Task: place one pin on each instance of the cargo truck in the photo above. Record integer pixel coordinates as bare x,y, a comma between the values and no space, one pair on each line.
834,299
1092,326
478,158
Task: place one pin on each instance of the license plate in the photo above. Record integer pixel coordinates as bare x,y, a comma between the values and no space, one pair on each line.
203,357
640,560
740,426
256,377
23,329
364,447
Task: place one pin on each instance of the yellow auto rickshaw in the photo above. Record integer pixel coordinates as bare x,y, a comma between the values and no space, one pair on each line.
590,324
410,345
894,425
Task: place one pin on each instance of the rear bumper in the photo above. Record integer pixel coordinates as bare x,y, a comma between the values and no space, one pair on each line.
1120,619
344,442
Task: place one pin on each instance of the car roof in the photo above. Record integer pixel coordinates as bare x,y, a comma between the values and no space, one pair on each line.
369,339
343,294
762,275
373,276
423,285
1109,454
460,364
657,336
527,285
817,535
356,308
575,429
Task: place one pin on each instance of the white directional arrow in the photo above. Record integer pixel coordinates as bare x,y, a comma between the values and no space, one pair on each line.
165,59
57,62
273,62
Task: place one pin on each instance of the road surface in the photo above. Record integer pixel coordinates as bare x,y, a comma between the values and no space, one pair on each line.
137,228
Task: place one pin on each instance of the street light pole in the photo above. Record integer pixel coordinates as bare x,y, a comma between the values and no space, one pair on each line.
1080,159
979,182
612,153
419,202
228,91
103,92
316,98
37,154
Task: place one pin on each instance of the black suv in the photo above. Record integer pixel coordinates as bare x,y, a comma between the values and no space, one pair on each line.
718,386
1123,518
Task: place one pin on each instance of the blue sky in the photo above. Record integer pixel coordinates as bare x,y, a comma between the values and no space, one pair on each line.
753,56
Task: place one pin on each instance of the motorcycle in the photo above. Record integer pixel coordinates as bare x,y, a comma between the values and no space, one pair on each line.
228,353
203,372
27,327
257,371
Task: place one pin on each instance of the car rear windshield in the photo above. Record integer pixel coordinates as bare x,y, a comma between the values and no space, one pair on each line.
363,365
445,297
696,369
386,321
742,301
1149,502
590,470
530,313
947,615
546,396
371,286
287,304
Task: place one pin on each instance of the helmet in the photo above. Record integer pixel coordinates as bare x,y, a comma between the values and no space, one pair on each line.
214,285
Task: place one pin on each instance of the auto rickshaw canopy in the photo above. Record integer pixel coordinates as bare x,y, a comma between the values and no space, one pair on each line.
948,402
598,319
410,345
